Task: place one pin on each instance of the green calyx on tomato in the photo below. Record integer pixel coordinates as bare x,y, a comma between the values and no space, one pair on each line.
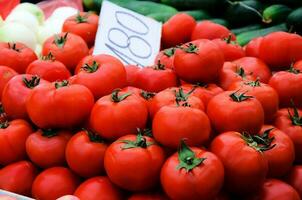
4,125
293,70
255,83
81,19
49,133
31,83
91,68
159,66
180,95
13,47
190,48
187,158
145,132
147,95
116,98
93,137
169,52
60,40
295,117
240,71
228,39
182,103
49,57
140,142
61,84
239,97
259,142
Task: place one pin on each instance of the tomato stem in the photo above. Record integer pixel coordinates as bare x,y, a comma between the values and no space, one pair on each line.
93,137
295,117
159,66
49,57
4,125
147,95
81,19
228,39
116,98
240,71
190,48
259,142
293,70
60,40
13,46
49,133
255,83
31,83
239,97
61,84
140,142
91,68
169,52
145,132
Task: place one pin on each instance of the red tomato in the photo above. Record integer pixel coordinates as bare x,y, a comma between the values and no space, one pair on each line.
88,160
252,48
266,95
16,56
235,111
148,196
13,135
65,106
47,142
166,57
134,162
290,122
99,188
6,74
18,177
83,24
91,51
198,61
53,183
177,30
66,48
132,71
295,178
101,74
274,189
231,50
242,176
173,123
189,169
48,69
210,30
118,114
288,85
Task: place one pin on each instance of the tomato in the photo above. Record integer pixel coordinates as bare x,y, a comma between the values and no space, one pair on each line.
252,48
118,114
16,56
156,78
6,74
53,183
190,123
101,74
3,116
83,24
48,69
134,162
280,49
13,135
66,48
166,57
87,161
90,52
193,174
290,122
148,196
288,85
18,177
210,30
47,142
100,188
274,189
294,178
198,61
68,197
266,95
177,30
235,111
170,96
231,50
132,71
242,176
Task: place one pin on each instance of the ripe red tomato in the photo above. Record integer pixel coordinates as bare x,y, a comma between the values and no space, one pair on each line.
290,122
235,111
83,24
266,95
13,135
16,56
148,196
134,162
15,93
294,178
65,106
252,48
177,30
118,114
189,169
90,52
198,61
88,160
53,183
166,57
101,74
210,30
47,142
132,71
6,74
231,147
230,50
99,188
67,48
18,177
190,123
48,69
274,189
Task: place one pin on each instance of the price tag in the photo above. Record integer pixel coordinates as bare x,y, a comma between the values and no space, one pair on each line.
126,35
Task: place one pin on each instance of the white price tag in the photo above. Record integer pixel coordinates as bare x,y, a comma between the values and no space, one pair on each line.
129,36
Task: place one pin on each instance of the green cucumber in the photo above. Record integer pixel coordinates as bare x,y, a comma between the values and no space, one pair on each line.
198,14
294,21
147,7
275,14
161,17
192,4
244,38
252,27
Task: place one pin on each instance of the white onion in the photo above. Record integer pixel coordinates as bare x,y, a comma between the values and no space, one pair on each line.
31,8
25,18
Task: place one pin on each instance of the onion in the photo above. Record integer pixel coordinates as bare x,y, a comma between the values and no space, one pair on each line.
25,18
31,8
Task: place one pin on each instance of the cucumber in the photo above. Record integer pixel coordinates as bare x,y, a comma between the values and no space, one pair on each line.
161,17
193,4
244,38
294,21
220,21
252,27
292,3
197,14
275,14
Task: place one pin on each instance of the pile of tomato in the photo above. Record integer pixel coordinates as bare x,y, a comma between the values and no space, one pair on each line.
210,120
